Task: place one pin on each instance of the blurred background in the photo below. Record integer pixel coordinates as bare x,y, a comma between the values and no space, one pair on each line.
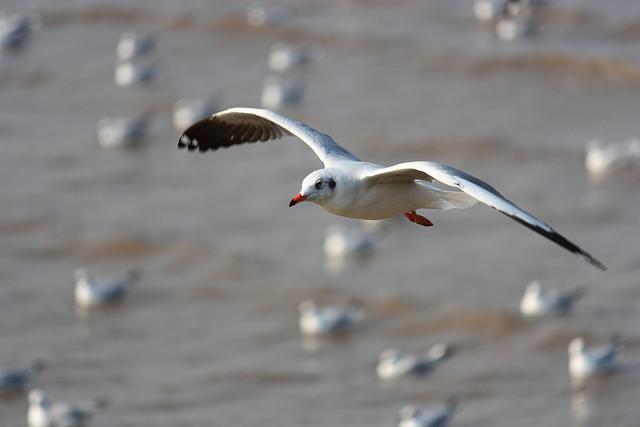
92,178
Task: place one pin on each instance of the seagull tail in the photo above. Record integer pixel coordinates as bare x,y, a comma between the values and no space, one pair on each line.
456,200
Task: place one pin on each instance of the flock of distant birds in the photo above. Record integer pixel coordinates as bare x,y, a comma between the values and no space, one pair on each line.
95,292
511,19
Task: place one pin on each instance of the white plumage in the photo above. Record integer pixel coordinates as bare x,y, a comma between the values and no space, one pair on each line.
537,301
349,187
131,74
586,362
412,416
392,364
279,92
93,291
42,413
602,158
187,111
285,57
121,131
315,320
134,45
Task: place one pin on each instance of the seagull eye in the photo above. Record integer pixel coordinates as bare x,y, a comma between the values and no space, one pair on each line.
332,184
318,185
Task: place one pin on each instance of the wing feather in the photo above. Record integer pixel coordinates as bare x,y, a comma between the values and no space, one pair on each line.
481,191
237,126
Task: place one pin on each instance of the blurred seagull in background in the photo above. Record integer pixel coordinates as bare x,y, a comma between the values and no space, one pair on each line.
393,365
412,416
130,74
121,131
316,320
341,241
537,301
356,189
261,15
515,27
602,159
187,111
93,291
518,19
279,92
346,245
17,380
44,414
488,10
15,29
284,57
586,362
133,45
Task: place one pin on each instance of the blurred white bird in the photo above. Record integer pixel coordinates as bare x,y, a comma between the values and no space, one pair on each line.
515,27
411,416
187,111
347,245
286,57
121,131
513,19
316,320
341,241
130,74
17,380
99,291
537,301
392,364
134,45
39,413
586,362
488,10
261,15
517,7
279,92
15,29
602,159
44,414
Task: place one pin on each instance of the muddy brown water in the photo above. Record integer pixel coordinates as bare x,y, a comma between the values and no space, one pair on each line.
210,335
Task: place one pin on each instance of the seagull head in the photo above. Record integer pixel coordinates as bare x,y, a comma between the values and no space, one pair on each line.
534,288
38,398
318,187
577,346
390,355
81,275
307,307
408,412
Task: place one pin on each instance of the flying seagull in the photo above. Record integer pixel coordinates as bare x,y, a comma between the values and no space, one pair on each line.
349,187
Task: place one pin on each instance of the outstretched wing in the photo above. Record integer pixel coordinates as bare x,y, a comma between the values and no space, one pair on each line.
481,191
237,126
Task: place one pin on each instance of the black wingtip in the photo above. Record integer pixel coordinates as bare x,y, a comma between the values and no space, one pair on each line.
559,239
189,143
183,142
591,260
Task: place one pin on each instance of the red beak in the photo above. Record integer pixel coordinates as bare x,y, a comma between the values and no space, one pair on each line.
297,199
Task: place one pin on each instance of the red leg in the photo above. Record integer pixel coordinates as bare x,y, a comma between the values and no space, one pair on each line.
410,216
423,221
418,219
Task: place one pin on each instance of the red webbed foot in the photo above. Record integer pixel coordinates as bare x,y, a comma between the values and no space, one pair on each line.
418,219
